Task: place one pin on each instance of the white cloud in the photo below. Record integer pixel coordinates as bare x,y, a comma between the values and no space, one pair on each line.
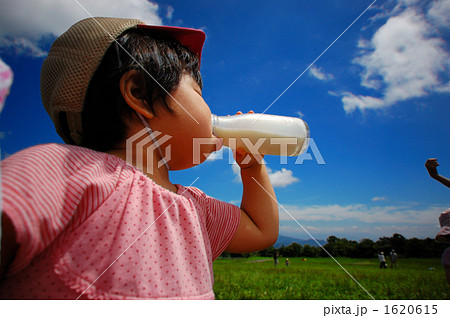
27,22
319,74
170,11
22,46
357,233
379,199
360,221
352,102
439,13
281,178
333,93
365,214
403,60
237,171
217,155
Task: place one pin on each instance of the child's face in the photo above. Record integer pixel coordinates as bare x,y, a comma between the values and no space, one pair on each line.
189,123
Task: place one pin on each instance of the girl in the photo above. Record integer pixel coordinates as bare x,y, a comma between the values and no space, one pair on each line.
98,218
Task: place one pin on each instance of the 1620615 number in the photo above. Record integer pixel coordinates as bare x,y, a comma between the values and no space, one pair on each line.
410,310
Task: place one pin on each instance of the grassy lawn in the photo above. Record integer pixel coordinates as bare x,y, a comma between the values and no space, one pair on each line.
323,278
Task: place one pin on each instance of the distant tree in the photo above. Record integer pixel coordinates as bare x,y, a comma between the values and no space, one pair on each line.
431,248
317,250
414,248
332,239
268,252
398,243
329,247
225,255
352,249
383,245
310,251
339,247
240,255
425,248
280,250
293,250
366,249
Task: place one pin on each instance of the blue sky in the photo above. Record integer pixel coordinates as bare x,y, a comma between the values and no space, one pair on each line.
377,101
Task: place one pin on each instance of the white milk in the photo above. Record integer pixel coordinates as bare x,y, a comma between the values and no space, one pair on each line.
264,134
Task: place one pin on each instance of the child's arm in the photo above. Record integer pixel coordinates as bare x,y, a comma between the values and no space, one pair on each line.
258,228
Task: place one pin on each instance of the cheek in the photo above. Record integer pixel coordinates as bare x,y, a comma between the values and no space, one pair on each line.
202,114
188,151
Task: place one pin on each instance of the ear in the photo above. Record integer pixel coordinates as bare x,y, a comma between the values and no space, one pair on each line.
132,93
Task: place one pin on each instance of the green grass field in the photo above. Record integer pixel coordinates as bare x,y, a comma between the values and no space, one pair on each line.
323,278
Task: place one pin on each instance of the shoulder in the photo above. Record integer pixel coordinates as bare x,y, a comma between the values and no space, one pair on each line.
206,202
55,148
39,154
192,192
57,175
55,158
196,198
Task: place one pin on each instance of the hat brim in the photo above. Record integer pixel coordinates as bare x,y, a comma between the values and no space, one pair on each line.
193,39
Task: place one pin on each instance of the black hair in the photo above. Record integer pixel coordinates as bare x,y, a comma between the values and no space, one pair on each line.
104,108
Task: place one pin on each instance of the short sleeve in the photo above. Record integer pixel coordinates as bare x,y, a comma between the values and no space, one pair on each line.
222,222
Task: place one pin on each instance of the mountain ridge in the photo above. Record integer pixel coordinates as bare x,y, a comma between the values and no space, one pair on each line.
287,240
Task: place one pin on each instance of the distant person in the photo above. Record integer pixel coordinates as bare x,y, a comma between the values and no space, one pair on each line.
393,256
443,236
275,258
431,166
287,262
382,260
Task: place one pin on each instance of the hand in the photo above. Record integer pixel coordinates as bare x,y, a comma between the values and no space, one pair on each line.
431,165
245,159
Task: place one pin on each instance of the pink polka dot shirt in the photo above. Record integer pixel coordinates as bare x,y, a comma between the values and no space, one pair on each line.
90,226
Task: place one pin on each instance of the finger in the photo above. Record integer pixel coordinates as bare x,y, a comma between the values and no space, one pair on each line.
239,113
431,162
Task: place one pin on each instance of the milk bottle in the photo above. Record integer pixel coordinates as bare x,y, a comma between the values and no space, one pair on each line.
263,133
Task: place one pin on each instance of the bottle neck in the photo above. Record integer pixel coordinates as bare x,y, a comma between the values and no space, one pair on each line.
214,122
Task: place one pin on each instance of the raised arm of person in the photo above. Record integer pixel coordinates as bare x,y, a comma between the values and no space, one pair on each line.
431,166
258,228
